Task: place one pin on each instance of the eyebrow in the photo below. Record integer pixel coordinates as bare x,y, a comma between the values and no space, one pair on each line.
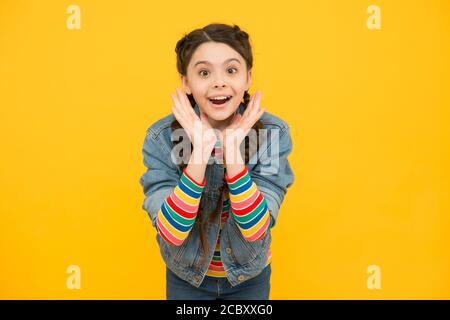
206,62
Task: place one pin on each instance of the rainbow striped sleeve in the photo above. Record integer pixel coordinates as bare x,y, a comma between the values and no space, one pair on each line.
248,206
178,212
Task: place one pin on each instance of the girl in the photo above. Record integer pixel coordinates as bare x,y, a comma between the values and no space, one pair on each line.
213,220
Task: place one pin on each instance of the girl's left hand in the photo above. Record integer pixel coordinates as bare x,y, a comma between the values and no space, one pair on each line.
240,126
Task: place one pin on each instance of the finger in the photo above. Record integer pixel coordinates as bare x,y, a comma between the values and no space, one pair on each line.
184,97
186,119
204,119
249,105
247,118
250,121
181,115
180,104
176,103
191,110
180,118
187,105
203,115
237,117
182,107
255,106
256,117
260,113
252,103
207,123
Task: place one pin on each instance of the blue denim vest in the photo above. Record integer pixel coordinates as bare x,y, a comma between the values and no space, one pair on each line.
242,260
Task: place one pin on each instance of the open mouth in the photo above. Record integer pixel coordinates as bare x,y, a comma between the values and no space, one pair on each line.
220,100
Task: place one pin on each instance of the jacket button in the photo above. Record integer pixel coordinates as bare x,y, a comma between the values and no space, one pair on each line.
228,250
241,278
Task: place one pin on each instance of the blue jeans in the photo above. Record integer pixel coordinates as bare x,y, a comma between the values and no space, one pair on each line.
212,288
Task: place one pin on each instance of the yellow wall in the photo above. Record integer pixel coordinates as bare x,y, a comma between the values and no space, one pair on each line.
368,110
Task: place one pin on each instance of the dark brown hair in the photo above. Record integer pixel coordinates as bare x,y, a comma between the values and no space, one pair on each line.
185,48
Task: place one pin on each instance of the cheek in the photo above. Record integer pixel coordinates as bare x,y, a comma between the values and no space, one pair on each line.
199,90
240,88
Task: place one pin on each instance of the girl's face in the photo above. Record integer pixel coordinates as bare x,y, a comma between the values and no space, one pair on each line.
217,71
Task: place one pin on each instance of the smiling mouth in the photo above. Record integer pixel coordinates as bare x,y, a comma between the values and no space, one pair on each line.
220,101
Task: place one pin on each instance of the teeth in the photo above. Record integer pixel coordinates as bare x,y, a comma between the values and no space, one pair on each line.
219,98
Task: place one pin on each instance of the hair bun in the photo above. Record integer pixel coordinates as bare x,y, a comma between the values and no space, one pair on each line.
240,32
181,43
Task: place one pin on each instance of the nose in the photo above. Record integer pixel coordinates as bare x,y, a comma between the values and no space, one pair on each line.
219,82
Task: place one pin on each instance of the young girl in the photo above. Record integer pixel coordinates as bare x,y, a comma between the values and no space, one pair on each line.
213,220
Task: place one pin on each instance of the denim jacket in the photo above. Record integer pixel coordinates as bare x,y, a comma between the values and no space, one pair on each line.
242,260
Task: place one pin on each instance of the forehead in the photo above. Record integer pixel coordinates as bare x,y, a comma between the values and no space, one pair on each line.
215,53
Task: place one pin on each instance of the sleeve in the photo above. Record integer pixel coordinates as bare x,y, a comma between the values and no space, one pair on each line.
171,201
248,206
178,212
272,173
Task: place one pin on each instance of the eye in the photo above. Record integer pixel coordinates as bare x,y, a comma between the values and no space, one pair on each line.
202,72
236,70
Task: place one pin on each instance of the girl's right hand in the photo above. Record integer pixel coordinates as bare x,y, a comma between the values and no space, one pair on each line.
199,130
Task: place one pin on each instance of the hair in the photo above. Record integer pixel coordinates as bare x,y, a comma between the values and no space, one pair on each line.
185,48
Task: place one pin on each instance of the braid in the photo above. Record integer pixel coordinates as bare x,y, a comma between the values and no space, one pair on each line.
241,33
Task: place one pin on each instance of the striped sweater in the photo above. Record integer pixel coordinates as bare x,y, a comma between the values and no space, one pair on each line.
215,268
177,214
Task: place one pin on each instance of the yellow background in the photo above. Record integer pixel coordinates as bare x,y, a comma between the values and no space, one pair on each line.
368,110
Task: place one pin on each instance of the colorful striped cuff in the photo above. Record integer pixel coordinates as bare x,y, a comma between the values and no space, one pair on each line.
248,206
179,210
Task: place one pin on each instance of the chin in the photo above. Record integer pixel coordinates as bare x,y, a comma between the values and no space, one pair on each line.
219,117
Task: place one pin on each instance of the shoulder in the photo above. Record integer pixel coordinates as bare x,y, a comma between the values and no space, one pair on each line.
271,121
158,135
159,126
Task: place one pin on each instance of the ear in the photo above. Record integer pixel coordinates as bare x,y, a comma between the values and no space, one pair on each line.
249,79
185,84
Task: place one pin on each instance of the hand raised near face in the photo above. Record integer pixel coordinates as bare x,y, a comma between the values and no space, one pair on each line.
198,129
240,126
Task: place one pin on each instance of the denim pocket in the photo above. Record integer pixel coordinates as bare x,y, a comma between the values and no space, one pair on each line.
245,251
241,249
168,252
